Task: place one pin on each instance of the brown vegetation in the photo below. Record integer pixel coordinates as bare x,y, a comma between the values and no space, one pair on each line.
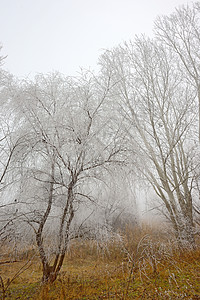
144,263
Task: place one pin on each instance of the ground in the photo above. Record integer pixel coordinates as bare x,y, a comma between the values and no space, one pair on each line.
120,270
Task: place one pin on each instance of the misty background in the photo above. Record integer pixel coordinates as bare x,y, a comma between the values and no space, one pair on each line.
64,35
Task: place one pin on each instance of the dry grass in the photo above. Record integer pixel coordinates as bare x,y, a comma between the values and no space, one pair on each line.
142,265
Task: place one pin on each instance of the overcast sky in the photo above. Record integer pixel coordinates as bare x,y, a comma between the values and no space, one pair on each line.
64,35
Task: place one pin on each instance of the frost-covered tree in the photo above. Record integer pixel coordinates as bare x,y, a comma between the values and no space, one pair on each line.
73,142
160,108
180,32
11,142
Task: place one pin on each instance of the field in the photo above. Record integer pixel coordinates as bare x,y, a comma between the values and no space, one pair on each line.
142,264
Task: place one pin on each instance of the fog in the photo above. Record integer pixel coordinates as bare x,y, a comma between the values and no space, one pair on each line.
86,157
44,36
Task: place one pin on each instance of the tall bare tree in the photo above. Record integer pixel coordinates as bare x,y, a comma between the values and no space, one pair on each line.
159,105
11,142
180,32
72,143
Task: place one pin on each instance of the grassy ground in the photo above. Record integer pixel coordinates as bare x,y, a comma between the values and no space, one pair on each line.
137,268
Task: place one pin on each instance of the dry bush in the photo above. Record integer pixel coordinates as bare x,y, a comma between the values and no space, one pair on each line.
142,262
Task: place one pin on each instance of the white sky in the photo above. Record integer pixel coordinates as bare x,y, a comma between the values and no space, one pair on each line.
64,35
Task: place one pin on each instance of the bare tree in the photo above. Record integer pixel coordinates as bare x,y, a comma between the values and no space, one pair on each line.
180,32
11,142
160,106
72,143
